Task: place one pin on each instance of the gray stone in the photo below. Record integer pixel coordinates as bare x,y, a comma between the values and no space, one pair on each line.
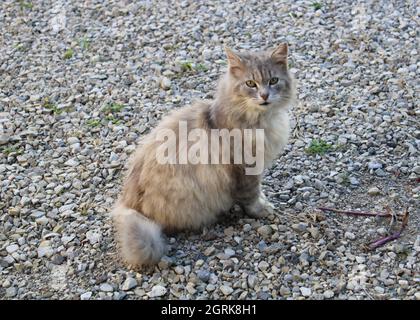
129,284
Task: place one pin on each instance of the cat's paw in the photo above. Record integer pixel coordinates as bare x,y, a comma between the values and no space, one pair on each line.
261,208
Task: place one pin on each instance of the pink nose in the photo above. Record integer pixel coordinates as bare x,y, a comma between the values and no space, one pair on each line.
264,95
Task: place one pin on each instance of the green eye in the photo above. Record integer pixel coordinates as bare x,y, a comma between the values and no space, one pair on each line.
251,83
274,80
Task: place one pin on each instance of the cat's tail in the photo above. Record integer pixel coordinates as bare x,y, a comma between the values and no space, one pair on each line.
140,239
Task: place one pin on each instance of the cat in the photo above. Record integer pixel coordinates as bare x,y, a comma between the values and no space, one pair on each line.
255,92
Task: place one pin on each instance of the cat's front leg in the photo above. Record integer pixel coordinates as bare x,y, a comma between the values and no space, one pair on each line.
260,208
248,194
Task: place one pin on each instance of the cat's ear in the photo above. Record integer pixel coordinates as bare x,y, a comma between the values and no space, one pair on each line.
236,64
279,54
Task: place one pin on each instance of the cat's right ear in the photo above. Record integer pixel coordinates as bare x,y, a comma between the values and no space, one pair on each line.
236,64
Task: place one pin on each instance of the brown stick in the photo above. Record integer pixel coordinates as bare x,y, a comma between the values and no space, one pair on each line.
380,242
357,213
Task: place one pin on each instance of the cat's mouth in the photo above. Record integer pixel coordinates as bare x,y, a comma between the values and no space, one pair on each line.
265,103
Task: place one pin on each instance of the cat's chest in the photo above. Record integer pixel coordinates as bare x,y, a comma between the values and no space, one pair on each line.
276,135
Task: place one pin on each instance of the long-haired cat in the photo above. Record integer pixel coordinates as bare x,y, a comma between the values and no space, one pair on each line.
255,93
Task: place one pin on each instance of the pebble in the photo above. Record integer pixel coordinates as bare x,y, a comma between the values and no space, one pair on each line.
374,165
11,292
349,235
226,290
263,266
4,139
129,284
306,292
374,191
45,249
106,287
203,275
328,294
12,248
300,227
165,83
251,280
93,237
86,295
265,231
379,290
157,291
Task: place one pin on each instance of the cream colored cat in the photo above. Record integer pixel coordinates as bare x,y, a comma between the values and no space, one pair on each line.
255,93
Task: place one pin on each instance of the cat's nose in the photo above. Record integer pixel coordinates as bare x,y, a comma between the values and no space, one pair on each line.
264,95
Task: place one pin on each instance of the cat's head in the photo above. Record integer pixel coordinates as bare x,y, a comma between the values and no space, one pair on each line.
260,79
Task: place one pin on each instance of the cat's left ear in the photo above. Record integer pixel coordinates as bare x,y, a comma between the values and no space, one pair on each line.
279,54
236,64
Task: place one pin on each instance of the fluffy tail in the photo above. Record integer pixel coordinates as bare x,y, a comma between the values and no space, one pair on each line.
140,239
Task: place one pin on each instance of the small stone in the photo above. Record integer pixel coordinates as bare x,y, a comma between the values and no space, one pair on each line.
165,262
284,291
210,287
226,290
374,191
229,252
73,140
300,227
157,291
349,235
179,270
265,231
251,280
417,295
165,83
360,259
129,284
382,231
12,248
106,287
314,232
403,284
93,237
328,294
374,165
379,290
209,251
246,228
4,139
57,259
203,275
263,266
354,181
72,163
11,292
45,249
86,296
306,292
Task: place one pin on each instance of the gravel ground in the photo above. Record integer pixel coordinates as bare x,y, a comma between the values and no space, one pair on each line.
81,81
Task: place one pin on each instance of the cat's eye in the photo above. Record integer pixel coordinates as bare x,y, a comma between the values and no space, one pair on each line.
274,81
251,83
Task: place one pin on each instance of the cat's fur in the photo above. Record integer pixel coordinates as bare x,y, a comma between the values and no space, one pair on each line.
174,197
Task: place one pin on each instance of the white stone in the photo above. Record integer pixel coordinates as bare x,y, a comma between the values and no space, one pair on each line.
328,294
93,237
165,83
306,292
86,296
12,248
157,291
